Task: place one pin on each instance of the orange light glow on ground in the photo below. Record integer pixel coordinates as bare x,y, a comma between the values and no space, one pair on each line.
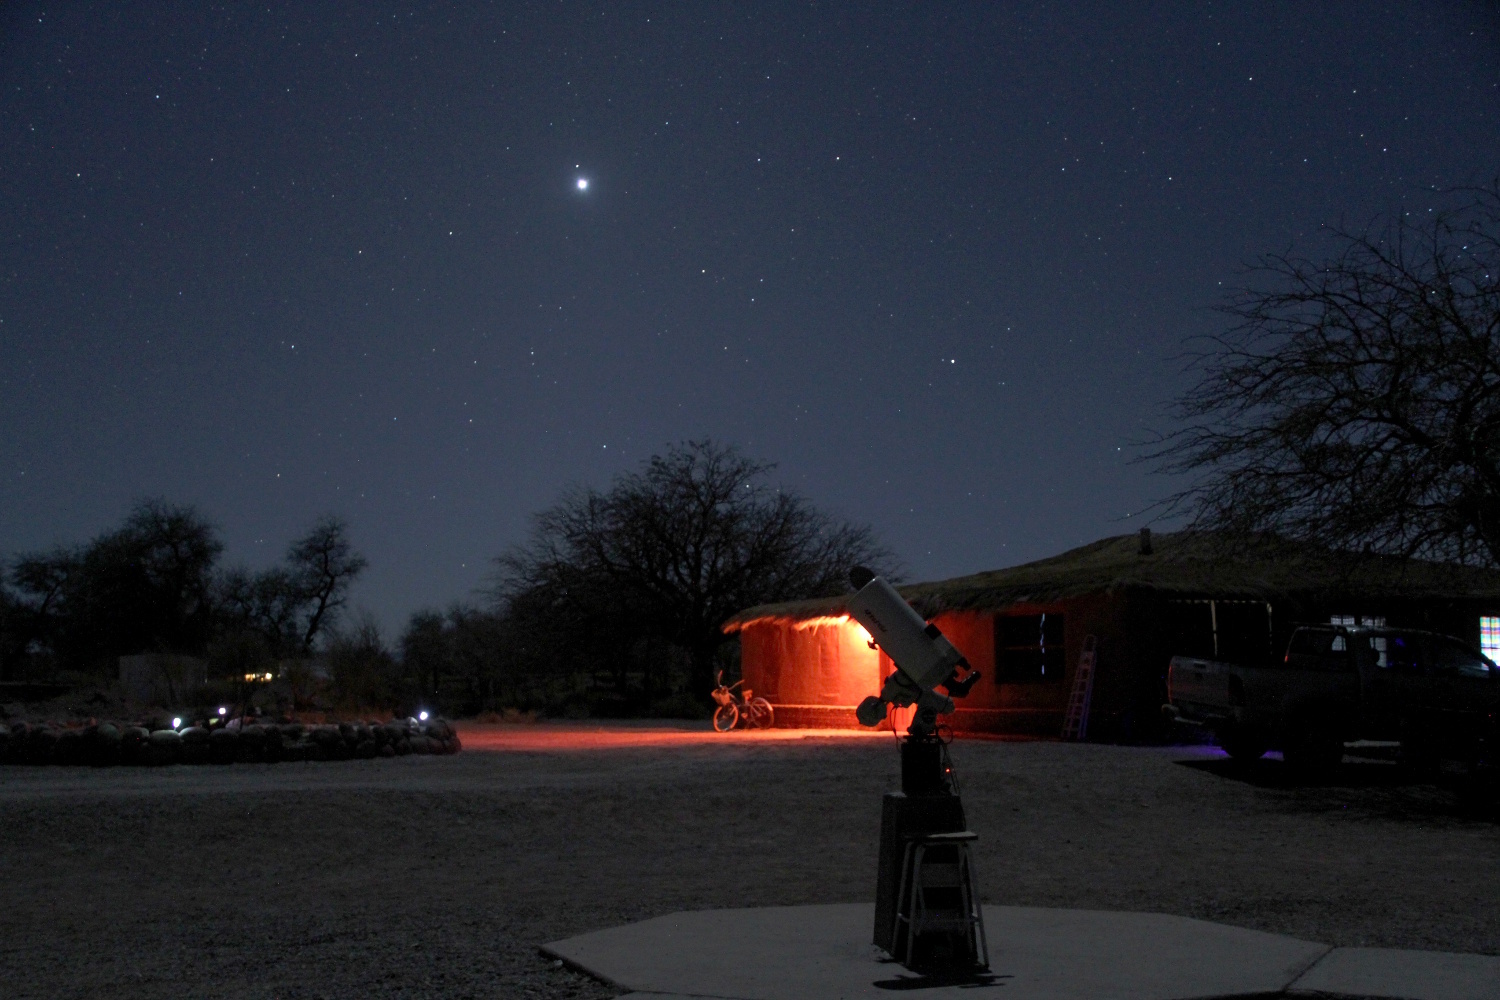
574,737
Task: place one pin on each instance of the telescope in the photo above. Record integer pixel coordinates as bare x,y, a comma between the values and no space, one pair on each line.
924,658
926,909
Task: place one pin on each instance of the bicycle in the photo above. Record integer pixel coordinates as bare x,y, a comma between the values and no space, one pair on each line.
735,707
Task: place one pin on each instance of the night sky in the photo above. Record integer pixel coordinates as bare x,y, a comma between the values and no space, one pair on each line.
937,261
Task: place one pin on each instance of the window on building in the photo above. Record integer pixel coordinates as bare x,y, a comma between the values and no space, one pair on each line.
1489,637
1029,649
1369,621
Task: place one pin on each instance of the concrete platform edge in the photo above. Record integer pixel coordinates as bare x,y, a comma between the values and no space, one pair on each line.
1332,973
598,977
1400,974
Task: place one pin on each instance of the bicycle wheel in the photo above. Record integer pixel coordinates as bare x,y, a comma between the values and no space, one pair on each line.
725,716
761,713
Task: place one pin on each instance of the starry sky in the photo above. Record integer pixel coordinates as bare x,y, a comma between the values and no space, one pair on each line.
936,261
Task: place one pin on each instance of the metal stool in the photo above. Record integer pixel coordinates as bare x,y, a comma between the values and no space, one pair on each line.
937,896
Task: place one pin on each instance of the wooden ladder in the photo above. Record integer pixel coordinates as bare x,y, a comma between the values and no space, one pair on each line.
1076,721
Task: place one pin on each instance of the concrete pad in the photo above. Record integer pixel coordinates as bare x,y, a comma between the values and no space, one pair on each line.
1408,975
814,952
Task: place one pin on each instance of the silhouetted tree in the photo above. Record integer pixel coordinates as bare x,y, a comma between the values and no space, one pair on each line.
288,606
1356,401
152,586
323,565
146,587
671,552
426,651
361,669
28,615
461,661
268,605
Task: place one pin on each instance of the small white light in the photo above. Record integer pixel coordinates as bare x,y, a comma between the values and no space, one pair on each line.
176,723
223,711
583,183
422,716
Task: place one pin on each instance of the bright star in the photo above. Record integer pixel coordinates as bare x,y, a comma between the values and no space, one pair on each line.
583,183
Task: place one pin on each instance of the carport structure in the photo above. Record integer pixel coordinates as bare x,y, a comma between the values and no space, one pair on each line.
1144,598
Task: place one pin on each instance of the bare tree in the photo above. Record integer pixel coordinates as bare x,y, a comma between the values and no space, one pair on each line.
674,550
146,586
268,604
1356,401
323,565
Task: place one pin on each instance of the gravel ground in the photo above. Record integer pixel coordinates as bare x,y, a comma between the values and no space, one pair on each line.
439,876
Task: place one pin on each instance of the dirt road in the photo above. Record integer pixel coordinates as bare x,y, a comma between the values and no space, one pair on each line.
438,876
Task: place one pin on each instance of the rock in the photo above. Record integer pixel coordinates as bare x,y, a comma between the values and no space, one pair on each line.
394,732
162,747
291,732
102,745
70,747
13,748
312,750
194,749
223,745
403,747
252,748
41,745
133,740
454,744
327,736
365,750
272,744
386,750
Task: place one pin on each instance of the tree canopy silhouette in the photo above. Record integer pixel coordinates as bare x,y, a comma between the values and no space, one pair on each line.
152,585
1356,400
673,550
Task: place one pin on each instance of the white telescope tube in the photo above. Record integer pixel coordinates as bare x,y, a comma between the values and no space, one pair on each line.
917,649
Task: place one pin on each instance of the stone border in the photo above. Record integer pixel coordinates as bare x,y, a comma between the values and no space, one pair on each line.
106,744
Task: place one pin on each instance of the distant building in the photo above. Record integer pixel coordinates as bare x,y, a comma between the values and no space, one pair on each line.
1145,600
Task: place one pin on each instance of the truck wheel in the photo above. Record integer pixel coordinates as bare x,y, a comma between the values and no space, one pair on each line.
1313,753
1242,745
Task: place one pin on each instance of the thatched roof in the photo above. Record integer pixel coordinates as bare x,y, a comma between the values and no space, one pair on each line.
1182,564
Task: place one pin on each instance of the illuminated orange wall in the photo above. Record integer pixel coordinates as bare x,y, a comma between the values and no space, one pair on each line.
827,662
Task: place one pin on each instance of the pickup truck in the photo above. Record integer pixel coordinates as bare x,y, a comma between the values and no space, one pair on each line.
1436,695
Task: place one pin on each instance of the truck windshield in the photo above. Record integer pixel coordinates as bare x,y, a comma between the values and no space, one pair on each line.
1452,658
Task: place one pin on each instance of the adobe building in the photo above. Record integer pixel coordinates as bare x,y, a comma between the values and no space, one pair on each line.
1145,599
